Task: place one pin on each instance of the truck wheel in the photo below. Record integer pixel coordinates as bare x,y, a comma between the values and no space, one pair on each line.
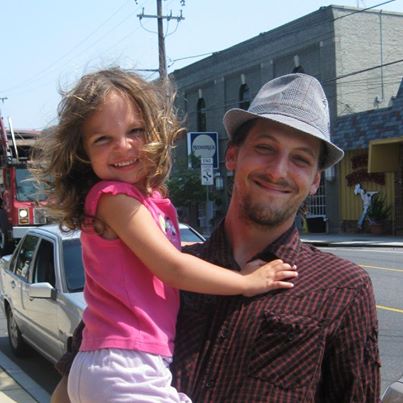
5,245
17,344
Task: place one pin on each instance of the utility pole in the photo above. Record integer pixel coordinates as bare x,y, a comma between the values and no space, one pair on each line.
2,99
161,39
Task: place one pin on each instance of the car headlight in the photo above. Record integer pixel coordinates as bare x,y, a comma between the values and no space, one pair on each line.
23,216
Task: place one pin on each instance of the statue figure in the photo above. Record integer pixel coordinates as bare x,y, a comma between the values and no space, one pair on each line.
366,198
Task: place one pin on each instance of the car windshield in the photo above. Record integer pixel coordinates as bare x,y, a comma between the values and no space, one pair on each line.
187,235
27,188
73,265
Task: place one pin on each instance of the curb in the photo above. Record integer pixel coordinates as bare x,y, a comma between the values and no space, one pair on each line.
26,383
351,243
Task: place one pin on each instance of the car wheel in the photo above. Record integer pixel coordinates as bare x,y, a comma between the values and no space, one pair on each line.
17,344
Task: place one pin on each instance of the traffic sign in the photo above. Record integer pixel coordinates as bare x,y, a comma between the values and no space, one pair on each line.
206,161
207,175
203,145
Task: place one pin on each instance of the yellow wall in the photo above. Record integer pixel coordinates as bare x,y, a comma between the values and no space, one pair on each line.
351,204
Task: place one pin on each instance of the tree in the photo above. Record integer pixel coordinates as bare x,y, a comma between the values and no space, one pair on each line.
185,189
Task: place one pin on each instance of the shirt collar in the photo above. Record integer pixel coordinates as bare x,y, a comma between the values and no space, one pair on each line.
285,247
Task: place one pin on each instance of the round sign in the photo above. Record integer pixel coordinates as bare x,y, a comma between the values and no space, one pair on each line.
203,146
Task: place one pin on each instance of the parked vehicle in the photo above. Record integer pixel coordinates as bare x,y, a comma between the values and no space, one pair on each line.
189,235
394,392
20,206
41,291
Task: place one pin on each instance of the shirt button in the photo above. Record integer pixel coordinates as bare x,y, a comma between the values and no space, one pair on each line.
210,383
291,336
224,334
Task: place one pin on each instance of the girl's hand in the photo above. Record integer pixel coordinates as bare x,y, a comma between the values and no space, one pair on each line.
262,276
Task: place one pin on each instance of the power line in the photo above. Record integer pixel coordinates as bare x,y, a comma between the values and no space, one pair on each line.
161,37
297,29
364,9
51,67
363,71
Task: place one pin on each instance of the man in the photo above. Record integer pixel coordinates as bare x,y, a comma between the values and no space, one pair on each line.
316,342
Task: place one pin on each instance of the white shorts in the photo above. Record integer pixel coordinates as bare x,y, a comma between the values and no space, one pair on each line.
113,375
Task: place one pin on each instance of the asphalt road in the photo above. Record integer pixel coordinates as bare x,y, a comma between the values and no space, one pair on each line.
34,365
385,266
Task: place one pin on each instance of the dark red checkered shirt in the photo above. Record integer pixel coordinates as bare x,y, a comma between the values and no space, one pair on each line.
316,342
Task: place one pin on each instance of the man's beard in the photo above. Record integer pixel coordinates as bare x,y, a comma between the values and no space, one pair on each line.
265,215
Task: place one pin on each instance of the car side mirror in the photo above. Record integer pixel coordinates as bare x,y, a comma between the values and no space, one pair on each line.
41,290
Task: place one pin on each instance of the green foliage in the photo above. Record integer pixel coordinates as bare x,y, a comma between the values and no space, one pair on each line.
378,210
185,186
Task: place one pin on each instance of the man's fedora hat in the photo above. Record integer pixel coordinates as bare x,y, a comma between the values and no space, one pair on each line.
295,100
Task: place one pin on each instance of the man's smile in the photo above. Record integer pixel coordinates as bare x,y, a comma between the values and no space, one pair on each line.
272,187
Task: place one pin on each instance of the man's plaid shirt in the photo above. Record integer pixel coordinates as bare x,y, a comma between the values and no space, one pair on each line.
316,342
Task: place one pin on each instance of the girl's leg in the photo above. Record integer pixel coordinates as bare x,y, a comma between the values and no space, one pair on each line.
119,376
60,395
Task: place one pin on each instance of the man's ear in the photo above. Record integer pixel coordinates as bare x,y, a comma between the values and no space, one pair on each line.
316,183
230,158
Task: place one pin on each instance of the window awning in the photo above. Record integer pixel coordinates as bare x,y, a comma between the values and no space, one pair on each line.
383,155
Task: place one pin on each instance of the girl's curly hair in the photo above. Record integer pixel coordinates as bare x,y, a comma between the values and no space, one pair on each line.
59,160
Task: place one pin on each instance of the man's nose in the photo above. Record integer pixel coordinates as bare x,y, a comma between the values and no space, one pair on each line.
278,167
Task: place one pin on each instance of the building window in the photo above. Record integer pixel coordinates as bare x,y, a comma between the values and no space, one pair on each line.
244,96
201,115
317,202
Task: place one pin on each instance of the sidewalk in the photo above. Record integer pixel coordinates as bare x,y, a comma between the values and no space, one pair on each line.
16,386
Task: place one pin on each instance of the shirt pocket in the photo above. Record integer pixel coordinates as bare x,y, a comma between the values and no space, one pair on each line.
288,350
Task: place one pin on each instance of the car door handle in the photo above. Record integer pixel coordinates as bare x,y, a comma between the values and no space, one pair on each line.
13,284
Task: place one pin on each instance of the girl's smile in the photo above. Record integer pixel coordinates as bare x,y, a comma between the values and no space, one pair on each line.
124,164
113,138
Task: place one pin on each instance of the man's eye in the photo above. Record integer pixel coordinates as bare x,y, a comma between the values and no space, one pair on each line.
264,148
302,160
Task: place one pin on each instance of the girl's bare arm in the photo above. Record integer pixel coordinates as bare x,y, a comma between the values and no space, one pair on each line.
134,225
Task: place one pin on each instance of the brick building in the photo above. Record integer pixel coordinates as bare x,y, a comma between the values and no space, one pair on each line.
356,55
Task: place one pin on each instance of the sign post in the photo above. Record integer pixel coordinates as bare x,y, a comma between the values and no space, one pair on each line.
204,145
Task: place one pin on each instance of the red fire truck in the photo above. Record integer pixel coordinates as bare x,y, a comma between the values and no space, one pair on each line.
20,205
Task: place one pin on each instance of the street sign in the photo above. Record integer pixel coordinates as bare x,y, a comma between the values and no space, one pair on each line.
203,145
207,175
206,161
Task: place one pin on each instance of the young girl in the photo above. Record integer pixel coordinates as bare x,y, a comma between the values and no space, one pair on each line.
109,157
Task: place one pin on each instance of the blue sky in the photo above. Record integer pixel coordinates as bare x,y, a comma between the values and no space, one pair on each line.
48,44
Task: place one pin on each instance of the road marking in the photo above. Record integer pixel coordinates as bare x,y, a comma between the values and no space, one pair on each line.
381,268
388,308
377,250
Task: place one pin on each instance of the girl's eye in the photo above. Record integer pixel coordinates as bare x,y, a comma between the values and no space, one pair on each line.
100,140
137,131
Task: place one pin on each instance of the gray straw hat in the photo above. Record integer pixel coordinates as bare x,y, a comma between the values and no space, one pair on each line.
295,100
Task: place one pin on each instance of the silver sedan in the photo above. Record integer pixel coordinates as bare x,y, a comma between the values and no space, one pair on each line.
41,291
